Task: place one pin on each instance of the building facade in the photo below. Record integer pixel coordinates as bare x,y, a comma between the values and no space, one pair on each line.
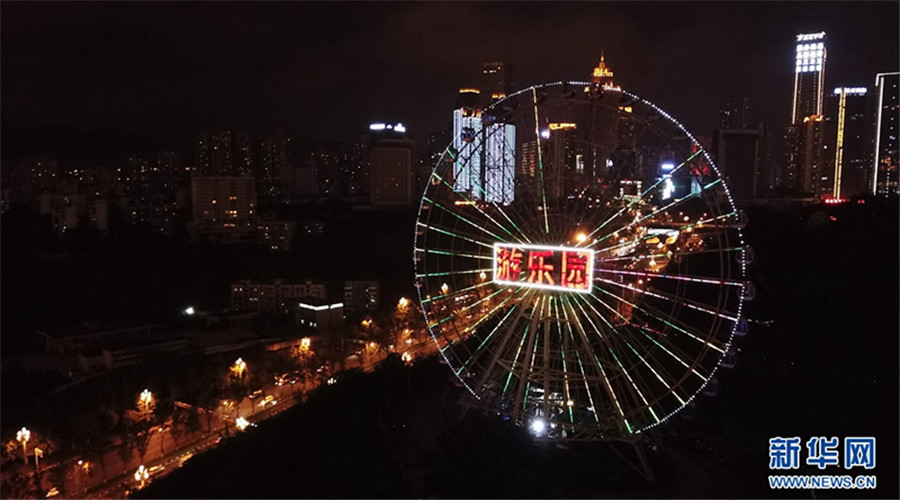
884,169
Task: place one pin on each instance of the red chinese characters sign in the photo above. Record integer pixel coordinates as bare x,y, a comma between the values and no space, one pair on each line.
551,268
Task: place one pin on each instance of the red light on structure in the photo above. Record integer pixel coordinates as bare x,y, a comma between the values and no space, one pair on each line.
860,202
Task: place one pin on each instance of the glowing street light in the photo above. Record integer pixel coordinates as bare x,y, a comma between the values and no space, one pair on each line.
238,367
141,475
241,423
538,426
403,302
445,288
189,311
23,436
580,237
146,404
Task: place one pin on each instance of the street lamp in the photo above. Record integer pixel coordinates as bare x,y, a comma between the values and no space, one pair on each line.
23,436
238,367
141,475
146,404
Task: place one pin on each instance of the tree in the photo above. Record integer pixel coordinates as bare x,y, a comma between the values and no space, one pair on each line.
179,421
125,450
192,423
16,486
303,356
58,479
140,436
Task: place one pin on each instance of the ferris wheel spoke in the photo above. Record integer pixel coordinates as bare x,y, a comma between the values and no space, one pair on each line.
528,361
426,252
674,300
663,255
474,204
562,352
623,333
659,210
454,235
686,228
603,376
671,324
680,356
640,197
455,293
476,354
467,221
456,313
609,346
584,377
500,348
452,273
676,277
540,159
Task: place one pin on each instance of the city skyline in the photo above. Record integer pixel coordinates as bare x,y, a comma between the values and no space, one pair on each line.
126,79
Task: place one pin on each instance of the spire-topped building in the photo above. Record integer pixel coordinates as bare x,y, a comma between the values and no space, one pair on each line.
602,77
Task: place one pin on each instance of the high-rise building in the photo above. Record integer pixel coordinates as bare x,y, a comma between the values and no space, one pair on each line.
244,149
807,111
467,145
738,154
390,166
170,170
224,208
201,154
884,170
275,176
220,153
734,113
809,76
601,77
499,163
850,155
813,174
496,82
737,148
360,297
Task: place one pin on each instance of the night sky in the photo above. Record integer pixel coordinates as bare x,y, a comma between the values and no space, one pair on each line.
99,81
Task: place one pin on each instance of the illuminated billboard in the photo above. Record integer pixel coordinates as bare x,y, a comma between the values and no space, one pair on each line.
545,267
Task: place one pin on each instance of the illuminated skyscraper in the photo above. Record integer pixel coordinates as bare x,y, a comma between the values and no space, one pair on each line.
391,166
499,163
496,82
850,154
885,174
809,76
601,77
803,160
468,147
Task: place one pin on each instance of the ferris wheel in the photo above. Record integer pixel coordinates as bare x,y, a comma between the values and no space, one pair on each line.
579,261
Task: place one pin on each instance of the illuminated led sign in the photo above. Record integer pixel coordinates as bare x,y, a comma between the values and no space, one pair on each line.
811,36
544,267
850,90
